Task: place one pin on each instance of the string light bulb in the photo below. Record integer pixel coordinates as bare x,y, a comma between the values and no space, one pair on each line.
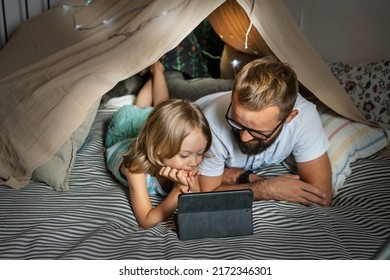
107,22
235,64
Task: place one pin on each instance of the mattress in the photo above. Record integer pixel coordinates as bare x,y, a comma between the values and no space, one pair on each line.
94,219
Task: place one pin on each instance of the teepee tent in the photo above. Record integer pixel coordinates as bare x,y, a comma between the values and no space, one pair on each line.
59,64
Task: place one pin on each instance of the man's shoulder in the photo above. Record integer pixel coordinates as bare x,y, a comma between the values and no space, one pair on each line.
212,99
214,108
303,103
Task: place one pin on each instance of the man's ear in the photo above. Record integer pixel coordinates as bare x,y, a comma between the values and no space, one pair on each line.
292,115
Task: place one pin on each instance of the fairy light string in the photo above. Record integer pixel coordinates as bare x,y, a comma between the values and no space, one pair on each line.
250,25
110,21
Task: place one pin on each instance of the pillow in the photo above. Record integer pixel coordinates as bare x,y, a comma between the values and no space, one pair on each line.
211,45
368,84
56,171
349,141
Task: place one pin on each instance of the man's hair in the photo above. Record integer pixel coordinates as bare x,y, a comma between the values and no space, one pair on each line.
266,82
170,122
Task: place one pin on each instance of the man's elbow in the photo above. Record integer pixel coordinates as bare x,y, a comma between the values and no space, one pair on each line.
328,198
207,188
328,202
209,184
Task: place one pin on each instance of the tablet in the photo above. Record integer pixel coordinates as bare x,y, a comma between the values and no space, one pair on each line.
214,214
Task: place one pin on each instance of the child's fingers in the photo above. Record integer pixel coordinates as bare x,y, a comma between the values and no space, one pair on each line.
193,184
164,171
182,177
174,175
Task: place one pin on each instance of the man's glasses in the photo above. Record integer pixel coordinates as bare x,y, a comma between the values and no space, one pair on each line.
255,133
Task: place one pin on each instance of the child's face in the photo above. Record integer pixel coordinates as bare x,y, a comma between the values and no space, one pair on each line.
191,153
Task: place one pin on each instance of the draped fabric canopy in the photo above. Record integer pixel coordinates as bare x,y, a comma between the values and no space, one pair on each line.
275,32
58,64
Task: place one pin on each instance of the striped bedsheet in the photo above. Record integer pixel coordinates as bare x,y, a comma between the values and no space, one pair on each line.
94,220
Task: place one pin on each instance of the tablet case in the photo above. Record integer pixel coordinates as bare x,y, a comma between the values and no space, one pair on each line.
214,214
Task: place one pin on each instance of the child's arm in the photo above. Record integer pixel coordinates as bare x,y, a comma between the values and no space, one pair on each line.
147,215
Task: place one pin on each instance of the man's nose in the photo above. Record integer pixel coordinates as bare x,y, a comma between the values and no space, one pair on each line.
245,136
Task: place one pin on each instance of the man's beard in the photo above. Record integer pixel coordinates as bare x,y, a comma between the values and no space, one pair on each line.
254,148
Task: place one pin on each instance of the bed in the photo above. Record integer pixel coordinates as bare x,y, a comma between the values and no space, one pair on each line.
87,214
94,219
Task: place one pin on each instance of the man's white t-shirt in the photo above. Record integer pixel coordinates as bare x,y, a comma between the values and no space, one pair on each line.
303,137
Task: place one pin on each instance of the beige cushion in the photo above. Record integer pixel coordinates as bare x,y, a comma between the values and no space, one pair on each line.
56,171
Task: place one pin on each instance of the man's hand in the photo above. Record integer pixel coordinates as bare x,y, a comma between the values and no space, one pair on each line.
289,188
282,188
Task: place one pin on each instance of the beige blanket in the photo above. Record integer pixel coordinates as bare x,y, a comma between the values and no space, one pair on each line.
59,63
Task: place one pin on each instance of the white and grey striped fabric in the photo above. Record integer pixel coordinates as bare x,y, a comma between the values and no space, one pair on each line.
94,220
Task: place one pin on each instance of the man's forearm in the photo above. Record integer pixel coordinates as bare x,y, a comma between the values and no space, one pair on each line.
259,188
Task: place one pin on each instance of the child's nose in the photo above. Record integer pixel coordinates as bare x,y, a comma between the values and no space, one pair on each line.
192,161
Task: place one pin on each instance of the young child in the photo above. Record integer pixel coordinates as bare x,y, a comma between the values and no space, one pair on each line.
163,159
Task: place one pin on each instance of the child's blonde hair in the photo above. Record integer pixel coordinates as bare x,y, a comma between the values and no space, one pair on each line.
161,137
267,82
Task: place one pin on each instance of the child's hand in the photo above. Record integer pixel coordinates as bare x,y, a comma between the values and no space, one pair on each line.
185,181
193,182
175,175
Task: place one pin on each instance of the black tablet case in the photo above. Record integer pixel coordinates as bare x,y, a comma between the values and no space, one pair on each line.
214,214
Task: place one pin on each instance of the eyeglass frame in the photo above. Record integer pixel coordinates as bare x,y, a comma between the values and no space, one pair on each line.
234,125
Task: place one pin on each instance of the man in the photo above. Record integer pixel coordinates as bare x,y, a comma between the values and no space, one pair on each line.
262,122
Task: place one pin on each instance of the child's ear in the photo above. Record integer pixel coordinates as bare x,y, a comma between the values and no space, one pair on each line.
292,115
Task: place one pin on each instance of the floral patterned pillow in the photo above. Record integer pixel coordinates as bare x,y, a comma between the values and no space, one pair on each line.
198,55
186,58
368,84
